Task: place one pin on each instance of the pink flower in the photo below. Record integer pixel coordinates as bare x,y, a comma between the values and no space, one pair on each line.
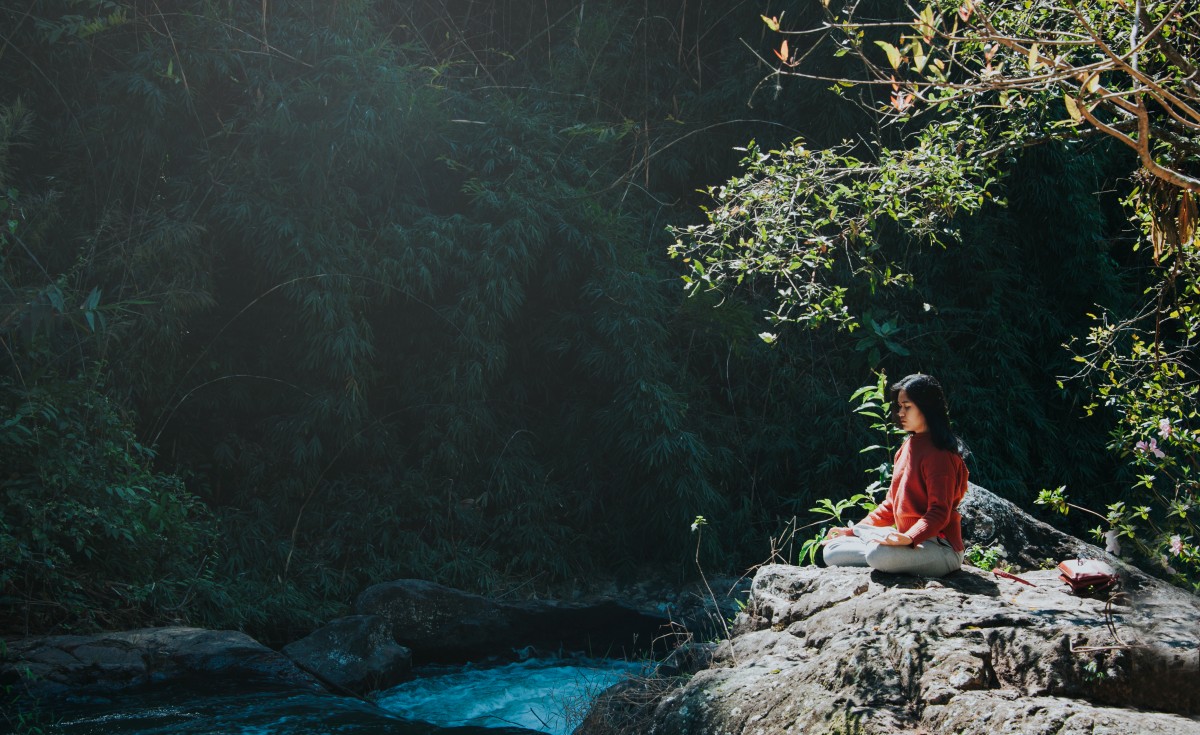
1150,447
1176,545
1164,428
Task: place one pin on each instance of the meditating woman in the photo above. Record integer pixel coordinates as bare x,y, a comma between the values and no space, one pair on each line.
917,528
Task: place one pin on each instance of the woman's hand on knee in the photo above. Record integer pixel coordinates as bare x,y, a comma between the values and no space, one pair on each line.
838,533
895,538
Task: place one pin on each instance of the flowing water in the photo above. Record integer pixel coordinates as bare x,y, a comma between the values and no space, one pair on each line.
537,696
550,696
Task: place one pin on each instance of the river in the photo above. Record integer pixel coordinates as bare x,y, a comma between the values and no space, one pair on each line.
536,696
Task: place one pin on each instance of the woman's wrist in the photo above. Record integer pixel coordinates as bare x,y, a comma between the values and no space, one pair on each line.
838,532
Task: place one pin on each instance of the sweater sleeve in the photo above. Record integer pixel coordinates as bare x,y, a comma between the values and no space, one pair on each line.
939,475
883,515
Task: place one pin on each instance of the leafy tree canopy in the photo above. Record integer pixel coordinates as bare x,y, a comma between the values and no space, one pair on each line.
960,90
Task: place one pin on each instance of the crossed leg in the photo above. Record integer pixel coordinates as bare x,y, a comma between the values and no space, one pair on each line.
933,558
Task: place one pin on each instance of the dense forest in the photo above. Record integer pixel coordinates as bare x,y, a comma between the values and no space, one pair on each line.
298,297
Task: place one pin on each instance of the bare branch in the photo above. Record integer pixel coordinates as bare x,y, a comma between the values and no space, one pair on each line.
1177,178
1162,94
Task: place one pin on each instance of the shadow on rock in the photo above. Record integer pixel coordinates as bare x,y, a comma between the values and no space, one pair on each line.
851,650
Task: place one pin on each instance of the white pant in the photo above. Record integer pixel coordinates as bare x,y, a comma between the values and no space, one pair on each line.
933,558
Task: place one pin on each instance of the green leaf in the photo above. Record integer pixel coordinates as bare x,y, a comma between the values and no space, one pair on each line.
55,296
1072,107
893,53
920,58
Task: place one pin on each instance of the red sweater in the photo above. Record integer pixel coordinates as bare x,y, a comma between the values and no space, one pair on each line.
927,485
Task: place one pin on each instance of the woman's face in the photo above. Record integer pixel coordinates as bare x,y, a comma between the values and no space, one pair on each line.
910,417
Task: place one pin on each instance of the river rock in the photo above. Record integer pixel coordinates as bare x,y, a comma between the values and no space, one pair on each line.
433,618
440,623
357,654
110,662
854,650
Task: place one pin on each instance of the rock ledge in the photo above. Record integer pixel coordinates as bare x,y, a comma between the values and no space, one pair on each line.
833,650
852,650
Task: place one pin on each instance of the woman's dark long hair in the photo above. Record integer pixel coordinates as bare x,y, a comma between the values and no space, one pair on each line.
926,393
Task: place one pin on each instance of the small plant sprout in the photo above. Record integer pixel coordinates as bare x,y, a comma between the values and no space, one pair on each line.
986,559
872,403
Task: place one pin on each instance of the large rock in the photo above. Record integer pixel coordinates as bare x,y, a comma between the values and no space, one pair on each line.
852,650
435,619
444,624
356,654
832,650
991,521
56,665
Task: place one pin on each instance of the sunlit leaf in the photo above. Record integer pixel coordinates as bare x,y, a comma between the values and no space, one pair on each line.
919,56
925,24
782,51
893,53
1072,108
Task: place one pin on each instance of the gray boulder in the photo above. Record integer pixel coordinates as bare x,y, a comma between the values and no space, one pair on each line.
440,623
433,618
356,654
853,650
110,662
989,520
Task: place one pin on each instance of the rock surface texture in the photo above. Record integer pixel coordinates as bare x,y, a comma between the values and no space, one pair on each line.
354,654
440,623
111,662
991,521
856,651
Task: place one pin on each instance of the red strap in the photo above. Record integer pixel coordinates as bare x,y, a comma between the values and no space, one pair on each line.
1009,575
